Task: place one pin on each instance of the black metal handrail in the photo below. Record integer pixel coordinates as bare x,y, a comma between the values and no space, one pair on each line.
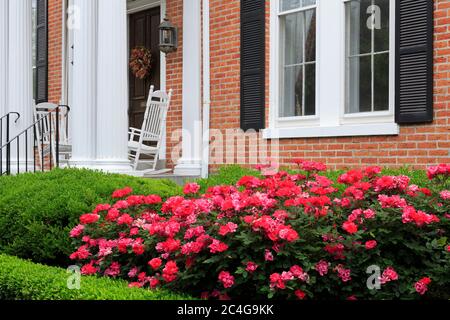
6,118
31,131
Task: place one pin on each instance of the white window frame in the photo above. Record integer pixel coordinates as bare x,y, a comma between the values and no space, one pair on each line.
374,116
330,119
278,51
306,119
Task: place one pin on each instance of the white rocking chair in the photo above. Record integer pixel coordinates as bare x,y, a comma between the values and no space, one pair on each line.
147,140
46,132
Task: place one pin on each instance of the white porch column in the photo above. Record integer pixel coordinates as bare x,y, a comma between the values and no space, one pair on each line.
3,70
84,103
112,97
190,162
20,75
3,57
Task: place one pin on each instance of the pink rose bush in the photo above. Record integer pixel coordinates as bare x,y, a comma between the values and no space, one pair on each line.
280,235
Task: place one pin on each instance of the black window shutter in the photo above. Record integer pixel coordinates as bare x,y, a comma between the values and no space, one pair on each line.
41,52
252,64
414,61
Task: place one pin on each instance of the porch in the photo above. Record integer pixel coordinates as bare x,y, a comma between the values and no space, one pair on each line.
104,99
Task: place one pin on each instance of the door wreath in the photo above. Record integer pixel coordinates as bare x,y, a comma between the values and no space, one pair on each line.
140,62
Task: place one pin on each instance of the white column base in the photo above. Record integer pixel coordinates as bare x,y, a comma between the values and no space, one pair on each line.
188,167
110,166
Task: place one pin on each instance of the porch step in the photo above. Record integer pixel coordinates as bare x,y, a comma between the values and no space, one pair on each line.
180,180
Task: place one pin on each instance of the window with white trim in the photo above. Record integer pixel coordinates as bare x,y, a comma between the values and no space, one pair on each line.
332,68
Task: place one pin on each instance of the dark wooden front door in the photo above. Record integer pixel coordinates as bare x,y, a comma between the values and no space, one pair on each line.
144,32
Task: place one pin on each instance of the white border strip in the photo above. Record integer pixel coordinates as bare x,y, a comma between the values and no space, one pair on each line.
376,129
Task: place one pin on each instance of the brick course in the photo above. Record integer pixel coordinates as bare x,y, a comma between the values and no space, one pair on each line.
55,47
174,77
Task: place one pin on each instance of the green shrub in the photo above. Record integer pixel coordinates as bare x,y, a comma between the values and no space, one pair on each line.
226,175
230,174
24,280
281,236
38,210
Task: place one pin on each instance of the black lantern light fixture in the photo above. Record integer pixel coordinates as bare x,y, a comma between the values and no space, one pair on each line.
168,37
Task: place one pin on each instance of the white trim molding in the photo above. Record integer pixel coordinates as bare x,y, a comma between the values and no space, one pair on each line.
378,129
206,88
330,119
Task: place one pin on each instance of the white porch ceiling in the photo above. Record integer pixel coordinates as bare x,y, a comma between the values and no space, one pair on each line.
136,5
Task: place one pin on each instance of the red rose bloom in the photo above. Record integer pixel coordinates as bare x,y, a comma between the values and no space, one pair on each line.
122,193
251,266
421,286
217,246
170,271
138,249
125,219
371,244
300,294
226,278
276,281
113,215
89,218
155,263
88,269
191,188
350,227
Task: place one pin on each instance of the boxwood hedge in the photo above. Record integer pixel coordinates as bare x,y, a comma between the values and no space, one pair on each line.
24,280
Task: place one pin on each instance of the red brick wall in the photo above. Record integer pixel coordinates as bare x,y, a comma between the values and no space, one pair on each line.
225,64
174,74
54,50
416,145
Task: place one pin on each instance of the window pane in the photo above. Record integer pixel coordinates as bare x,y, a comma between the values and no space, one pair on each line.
290,4
310,89
293,38
359,93
367,34
310,35
298,56
293,90
360,36
286,5
382,34
381,82
309,3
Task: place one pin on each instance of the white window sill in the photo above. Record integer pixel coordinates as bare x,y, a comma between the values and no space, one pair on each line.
371,129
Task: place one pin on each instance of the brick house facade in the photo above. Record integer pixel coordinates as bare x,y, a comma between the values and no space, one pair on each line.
417,144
